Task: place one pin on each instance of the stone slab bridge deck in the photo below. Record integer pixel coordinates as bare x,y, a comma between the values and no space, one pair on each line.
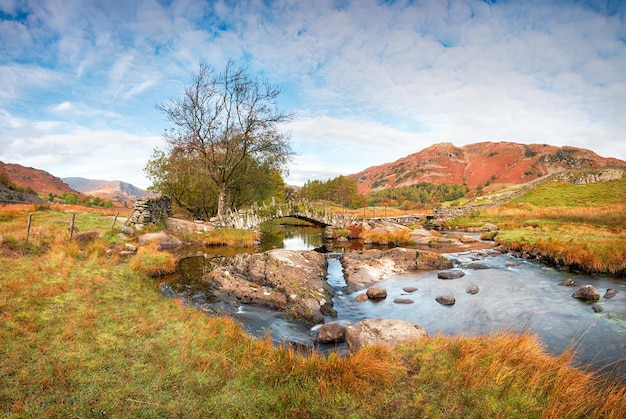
251,218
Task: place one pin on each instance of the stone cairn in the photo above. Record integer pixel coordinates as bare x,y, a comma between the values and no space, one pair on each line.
154,210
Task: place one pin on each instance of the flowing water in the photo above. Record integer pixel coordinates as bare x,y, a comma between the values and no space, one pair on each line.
515,295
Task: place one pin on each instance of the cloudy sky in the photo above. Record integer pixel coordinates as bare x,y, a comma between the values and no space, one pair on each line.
370,80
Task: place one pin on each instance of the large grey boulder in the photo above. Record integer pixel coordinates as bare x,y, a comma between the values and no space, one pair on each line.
365,267
162,239
332,332
386,332
587,293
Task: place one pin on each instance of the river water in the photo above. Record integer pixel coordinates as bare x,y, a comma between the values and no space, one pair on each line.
515,295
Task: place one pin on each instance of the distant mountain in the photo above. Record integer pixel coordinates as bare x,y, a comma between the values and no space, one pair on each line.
40,181
114,190
479,164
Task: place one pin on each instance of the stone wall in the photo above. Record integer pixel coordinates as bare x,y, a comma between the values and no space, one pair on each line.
407,220
154,210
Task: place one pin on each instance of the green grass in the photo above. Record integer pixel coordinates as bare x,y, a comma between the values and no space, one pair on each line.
579,226
570,195
84,334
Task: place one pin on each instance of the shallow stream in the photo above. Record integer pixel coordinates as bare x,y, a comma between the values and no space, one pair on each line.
515,295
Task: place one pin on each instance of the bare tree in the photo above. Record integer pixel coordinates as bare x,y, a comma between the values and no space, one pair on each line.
230,122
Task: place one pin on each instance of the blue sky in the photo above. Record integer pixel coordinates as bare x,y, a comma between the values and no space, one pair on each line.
370,81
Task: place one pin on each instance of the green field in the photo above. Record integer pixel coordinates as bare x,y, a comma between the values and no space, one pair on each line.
87,334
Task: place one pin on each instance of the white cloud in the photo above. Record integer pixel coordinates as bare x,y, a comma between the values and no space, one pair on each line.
373,81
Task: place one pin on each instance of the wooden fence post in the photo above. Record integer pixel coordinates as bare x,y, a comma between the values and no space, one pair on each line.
72,226
115,220
30,218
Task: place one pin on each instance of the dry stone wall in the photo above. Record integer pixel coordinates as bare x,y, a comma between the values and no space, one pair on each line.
154,210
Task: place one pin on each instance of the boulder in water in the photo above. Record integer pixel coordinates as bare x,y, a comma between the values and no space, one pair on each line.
376,293
451,274
446,300
332,332
472,289
587,293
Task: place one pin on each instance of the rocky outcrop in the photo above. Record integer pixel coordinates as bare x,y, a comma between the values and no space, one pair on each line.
13,196
287,280
386,332
365,267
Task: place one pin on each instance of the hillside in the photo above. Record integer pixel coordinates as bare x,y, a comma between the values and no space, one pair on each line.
114,190
483,163
40,181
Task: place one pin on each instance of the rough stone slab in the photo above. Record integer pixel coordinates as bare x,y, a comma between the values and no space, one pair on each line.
386,332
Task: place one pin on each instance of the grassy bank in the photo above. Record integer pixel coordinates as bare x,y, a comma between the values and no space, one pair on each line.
85,334
579,226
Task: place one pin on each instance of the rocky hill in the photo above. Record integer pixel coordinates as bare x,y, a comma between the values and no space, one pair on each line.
485,163
38,180
114,190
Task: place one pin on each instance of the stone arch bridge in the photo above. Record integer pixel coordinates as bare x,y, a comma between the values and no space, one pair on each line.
254,216
154,210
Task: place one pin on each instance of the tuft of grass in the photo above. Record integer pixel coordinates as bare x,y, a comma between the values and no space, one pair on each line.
152,262
230,237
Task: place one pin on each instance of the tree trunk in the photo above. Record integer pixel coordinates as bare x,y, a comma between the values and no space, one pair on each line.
221,201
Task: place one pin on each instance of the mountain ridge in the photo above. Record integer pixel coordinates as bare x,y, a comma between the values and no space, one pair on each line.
477,164
115,190
44,183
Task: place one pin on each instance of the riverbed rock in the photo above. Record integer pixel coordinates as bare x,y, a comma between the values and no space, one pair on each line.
386,332
568,282
587,292
451,274
332,332
597,308
489,227
164,240
376,293
421,236
446,300
366,267
361,297
409,289
477,265
472,289
291,281
403,301
610,293
468,239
